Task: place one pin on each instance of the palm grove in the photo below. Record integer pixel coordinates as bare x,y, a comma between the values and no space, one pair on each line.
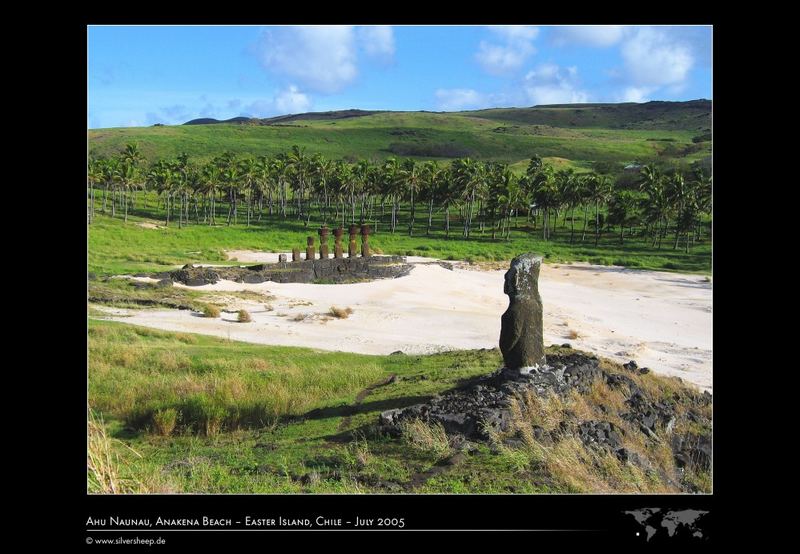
668,206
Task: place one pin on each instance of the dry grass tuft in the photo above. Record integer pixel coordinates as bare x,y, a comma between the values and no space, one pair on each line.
341,313
430,438
104,471
209,310
244,317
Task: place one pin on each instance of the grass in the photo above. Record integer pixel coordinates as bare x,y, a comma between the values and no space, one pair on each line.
244,316
268,419
119,248
209,310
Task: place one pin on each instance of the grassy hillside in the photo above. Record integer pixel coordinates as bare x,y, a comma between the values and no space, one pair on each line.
177,412
617,134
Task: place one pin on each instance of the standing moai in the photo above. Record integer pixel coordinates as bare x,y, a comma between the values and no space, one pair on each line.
352,251
337,242
521,331
295,254
365,241
323,242
309,248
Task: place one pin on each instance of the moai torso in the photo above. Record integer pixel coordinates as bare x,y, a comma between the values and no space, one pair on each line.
323,242
309,248
337,242
365,241
352,251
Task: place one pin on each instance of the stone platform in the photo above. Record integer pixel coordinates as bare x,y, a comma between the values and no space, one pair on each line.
335,270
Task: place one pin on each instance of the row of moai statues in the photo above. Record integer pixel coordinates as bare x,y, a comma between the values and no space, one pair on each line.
338,252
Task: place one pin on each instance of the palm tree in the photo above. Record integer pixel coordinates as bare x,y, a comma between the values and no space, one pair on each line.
430,176
392,187
598,190
410,174
298,162
95,176
678,194
545,196
621,211
469,176
571,189
279,169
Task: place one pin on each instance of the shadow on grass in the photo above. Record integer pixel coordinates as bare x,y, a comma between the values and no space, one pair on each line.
365,407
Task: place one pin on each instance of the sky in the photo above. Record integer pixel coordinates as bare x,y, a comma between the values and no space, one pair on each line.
142,75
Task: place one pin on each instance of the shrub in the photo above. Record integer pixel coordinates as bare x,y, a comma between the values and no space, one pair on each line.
165,420
341,313
244,316
209,310
573,334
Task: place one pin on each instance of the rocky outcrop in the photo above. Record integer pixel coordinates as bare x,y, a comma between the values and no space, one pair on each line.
469,411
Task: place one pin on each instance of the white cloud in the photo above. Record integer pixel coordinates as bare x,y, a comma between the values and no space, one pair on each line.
590,35
456,99
654,58
636,94
377,41
551,84
517,46
292,100
515,32
320,58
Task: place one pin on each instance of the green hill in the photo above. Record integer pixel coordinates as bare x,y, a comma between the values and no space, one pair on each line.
581,134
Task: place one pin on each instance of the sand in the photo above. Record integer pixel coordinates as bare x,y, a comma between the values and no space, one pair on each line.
661,320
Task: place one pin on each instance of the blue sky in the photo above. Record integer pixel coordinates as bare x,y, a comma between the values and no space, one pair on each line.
138,76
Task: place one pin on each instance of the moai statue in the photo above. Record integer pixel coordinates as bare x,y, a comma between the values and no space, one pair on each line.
295,254
337,242
521,331
352,252
281,258
309,248
365,241
323,242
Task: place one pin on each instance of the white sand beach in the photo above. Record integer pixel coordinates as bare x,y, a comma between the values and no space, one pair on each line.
661,320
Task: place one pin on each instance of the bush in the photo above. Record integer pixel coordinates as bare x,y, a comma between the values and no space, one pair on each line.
244,316
210,310
164,421
341,313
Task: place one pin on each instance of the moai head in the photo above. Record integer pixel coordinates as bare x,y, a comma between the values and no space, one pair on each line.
522,277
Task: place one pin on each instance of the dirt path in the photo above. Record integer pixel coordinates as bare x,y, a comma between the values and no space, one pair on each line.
345,423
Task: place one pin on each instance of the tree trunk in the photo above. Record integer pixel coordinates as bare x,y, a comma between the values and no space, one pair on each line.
411,223
430,217
596,223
